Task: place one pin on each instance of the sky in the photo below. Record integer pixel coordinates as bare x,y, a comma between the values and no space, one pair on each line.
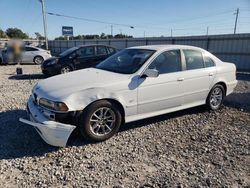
150,18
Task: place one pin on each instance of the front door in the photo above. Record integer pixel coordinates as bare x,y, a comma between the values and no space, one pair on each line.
166,90
85,57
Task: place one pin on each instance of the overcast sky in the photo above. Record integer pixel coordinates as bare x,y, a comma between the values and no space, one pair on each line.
152,17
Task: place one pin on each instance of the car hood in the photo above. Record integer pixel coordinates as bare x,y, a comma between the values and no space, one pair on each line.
63,85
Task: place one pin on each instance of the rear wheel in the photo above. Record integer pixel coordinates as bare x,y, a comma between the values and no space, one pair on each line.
100,121
38,60
215,97
65,69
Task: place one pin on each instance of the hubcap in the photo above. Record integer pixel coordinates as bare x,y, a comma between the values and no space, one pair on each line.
216,97
102,121
65,70
38,60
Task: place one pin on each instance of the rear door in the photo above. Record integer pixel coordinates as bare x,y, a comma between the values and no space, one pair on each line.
101,54
196,77
85,57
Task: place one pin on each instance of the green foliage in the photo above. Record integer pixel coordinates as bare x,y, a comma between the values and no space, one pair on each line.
120,36
2,34
102,36
16,33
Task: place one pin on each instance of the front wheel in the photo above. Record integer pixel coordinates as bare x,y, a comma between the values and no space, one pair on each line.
215,97
38,60
100,121
65,69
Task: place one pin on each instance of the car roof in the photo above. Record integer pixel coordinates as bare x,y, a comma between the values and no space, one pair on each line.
80,46
165,47
33,47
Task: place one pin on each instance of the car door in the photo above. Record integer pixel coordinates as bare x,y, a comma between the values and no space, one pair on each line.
196,78
84,58
164,91
101,54
28,54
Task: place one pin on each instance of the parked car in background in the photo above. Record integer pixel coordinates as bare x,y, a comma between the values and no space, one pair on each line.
1,57
77,58
29,55
136,83
34,55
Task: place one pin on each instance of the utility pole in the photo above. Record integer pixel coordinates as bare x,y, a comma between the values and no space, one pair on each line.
207,30
111,30
144,34
171,32
44,23
236,20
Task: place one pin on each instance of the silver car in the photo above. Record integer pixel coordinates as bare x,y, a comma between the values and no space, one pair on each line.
30,54
34,55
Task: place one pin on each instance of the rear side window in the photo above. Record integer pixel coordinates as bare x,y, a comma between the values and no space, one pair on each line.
208,62
101,50
111,50
167,62
30,49
194,59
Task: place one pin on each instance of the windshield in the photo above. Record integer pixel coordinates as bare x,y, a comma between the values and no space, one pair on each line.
68,51
127,61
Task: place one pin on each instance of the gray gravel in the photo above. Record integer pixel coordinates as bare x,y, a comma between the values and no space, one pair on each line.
191,148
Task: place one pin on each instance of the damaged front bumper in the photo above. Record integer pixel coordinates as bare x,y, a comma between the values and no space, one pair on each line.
52,132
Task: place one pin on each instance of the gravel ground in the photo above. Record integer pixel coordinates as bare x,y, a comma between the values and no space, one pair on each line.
191,148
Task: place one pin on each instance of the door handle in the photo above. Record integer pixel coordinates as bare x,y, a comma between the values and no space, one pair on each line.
210,74
180,79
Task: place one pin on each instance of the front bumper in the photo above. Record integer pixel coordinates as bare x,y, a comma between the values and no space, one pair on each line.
51,70
52,132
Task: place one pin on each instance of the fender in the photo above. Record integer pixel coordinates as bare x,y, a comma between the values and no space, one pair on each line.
80,100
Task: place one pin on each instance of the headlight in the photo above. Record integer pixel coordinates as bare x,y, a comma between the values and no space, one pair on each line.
56,106
52,62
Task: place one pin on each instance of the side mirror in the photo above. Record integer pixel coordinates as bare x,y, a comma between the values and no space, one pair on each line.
151,73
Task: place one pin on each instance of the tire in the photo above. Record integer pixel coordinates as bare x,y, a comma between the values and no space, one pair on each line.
38,60
215,97
94,131
65,69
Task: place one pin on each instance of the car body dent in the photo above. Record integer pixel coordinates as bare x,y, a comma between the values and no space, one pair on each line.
77,92
79,100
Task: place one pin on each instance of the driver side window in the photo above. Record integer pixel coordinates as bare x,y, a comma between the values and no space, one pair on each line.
167,62
85,52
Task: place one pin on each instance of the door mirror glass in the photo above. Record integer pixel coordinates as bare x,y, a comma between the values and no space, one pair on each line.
151,73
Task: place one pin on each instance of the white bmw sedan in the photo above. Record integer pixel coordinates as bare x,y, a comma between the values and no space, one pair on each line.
136,83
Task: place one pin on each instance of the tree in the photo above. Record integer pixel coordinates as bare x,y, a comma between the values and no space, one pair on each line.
120,36
2,34
60,38
78,37
16,33
103,36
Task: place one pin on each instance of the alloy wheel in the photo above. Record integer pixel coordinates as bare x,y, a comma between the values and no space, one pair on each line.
102,121
216,97
65,70
38,60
